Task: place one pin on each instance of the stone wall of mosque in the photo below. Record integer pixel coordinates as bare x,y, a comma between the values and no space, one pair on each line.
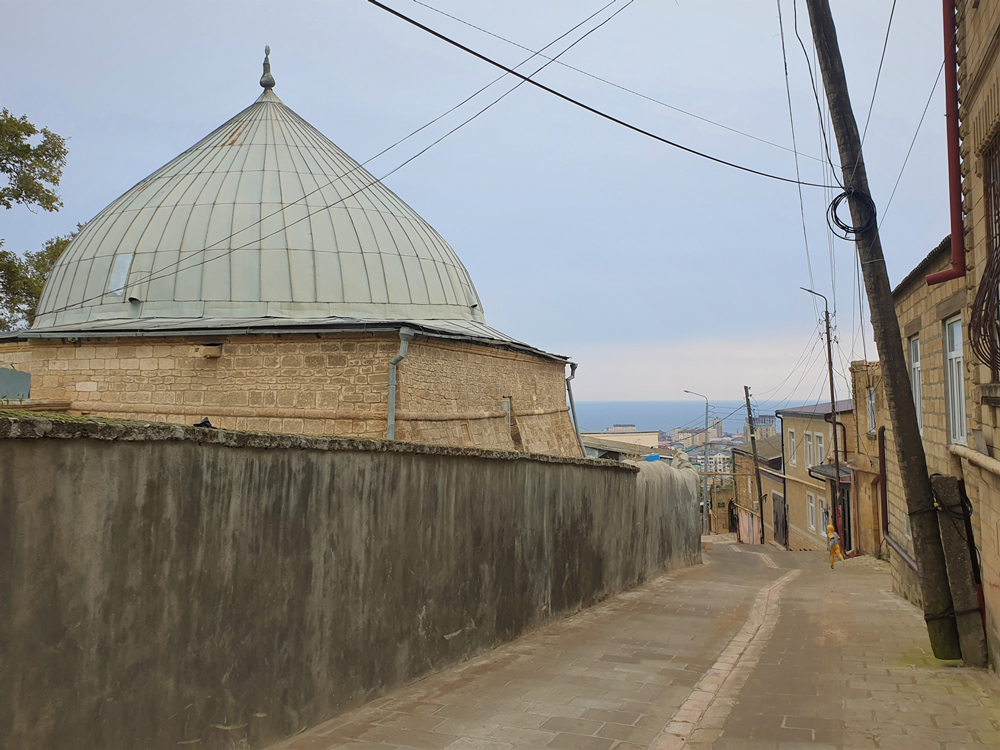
449,392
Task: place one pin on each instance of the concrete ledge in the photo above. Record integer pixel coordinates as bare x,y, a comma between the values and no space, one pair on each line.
32,426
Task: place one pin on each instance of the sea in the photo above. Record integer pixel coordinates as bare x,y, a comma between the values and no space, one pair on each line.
594,416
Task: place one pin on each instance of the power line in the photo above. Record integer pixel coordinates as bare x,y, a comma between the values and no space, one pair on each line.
812,81
795,150
587,107
878,75
622,88
912,141
163,272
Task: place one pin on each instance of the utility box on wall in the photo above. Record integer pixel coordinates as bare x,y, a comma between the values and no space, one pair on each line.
14,385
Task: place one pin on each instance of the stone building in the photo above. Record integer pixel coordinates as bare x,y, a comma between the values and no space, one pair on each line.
809,476
265,280
773,512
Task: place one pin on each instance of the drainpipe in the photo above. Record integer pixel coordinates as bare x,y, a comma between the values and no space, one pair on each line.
572,406
957,269
405,334
884,497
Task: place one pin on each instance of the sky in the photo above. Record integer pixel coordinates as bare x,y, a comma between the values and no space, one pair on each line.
654,269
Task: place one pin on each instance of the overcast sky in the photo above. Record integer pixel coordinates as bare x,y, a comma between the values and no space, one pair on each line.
654,269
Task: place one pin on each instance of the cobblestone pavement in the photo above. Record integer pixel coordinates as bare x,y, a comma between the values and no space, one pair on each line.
758,649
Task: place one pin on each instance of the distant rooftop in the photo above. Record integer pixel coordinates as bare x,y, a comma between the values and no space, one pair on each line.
817,410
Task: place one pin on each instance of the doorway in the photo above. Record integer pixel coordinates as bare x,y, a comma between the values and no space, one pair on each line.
780,519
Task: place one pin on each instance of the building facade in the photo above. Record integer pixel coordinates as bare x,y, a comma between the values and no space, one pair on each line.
771,511
809,476
264,280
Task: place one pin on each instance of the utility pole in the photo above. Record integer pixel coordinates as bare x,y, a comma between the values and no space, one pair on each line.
756,463
935,592
838,503
704,469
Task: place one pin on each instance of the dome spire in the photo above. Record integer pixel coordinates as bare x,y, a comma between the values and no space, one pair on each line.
267,80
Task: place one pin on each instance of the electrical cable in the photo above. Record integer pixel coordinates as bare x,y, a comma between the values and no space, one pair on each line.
163,272
912,141
795,151
622,88
846,231
587,107
812,81
878,75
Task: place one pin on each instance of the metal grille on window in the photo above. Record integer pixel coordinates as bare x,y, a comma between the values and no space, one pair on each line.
984,323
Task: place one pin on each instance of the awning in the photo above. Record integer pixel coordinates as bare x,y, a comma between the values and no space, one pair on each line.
827,472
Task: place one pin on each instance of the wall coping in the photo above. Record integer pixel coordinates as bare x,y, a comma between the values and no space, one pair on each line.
20,425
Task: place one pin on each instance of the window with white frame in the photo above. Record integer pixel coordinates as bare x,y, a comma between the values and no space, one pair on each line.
871,409
824,514
915,383
809,449
791,447
954,380
811,511
820,453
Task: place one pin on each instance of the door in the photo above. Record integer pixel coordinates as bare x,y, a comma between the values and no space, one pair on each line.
780,519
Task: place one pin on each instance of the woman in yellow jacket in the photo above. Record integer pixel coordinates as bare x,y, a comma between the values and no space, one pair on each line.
833,544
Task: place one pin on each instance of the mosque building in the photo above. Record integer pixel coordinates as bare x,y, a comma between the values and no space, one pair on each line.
264,280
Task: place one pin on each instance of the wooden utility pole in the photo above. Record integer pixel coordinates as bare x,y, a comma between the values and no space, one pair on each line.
756,462
938,610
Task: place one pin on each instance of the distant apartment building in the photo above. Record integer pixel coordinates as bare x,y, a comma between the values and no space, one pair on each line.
765,426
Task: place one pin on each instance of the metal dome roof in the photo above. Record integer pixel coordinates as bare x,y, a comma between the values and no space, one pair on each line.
263,218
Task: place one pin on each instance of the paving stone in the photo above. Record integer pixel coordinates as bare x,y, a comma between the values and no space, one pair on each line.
833,661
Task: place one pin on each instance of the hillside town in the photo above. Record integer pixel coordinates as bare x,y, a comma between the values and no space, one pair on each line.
282,468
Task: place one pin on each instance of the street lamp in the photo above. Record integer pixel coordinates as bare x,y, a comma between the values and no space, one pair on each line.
704,479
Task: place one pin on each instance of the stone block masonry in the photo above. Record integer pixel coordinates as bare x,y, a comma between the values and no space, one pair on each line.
449,392
166,585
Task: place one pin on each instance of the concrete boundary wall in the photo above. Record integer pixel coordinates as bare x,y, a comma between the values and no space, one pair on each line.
165,585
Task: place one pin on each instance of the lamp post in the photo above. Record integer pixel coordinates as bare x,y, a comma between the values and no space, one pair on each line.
704,468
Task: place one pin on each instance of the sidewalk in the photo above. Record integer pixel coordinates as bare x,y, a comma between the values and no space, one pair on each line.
758,649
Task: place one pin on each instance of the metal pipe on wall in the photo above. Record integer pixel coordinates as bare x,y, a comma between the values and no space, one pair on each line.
957,270
405,335
572,407
884,497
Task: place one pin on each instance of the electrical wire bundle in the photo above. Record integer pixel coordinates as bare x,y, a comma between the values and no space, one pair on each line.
841,228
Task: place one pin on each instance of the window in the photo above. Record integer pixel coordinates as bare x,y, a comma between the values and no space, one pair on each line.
119,275
915,384
791,447
811,511
820,453
871,410
824,514
954,380
809,450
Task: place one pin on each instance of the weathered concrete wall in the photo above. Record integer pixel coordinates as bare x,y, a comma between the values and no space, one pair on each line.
163,584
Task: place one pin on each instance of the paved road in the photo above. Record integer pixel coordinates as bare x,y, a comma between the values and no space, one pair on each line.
753,651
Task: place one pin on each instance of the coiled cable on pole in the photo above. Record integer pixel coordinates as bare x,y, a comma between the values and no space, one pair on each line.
849,231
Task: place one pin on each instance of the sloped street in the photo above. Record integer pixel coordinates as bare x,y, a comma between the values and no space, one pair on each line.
758,650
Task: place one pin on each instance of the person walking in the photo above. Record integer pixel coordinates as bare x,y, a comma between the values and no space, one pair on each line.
833,544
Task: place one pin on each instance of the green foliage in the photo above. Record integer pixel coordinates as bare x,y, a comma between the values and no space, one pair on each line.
29,168
22,280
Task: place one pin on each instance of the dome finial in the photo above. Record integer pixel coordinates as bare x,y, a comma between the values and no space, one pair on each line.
267,80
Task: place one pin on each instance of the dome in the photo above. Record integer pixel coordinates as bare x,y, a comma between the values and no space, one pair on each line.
263,221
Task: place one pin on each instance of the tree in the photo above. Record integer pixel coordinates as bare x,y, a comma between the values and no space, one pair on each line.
23,278
28,168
